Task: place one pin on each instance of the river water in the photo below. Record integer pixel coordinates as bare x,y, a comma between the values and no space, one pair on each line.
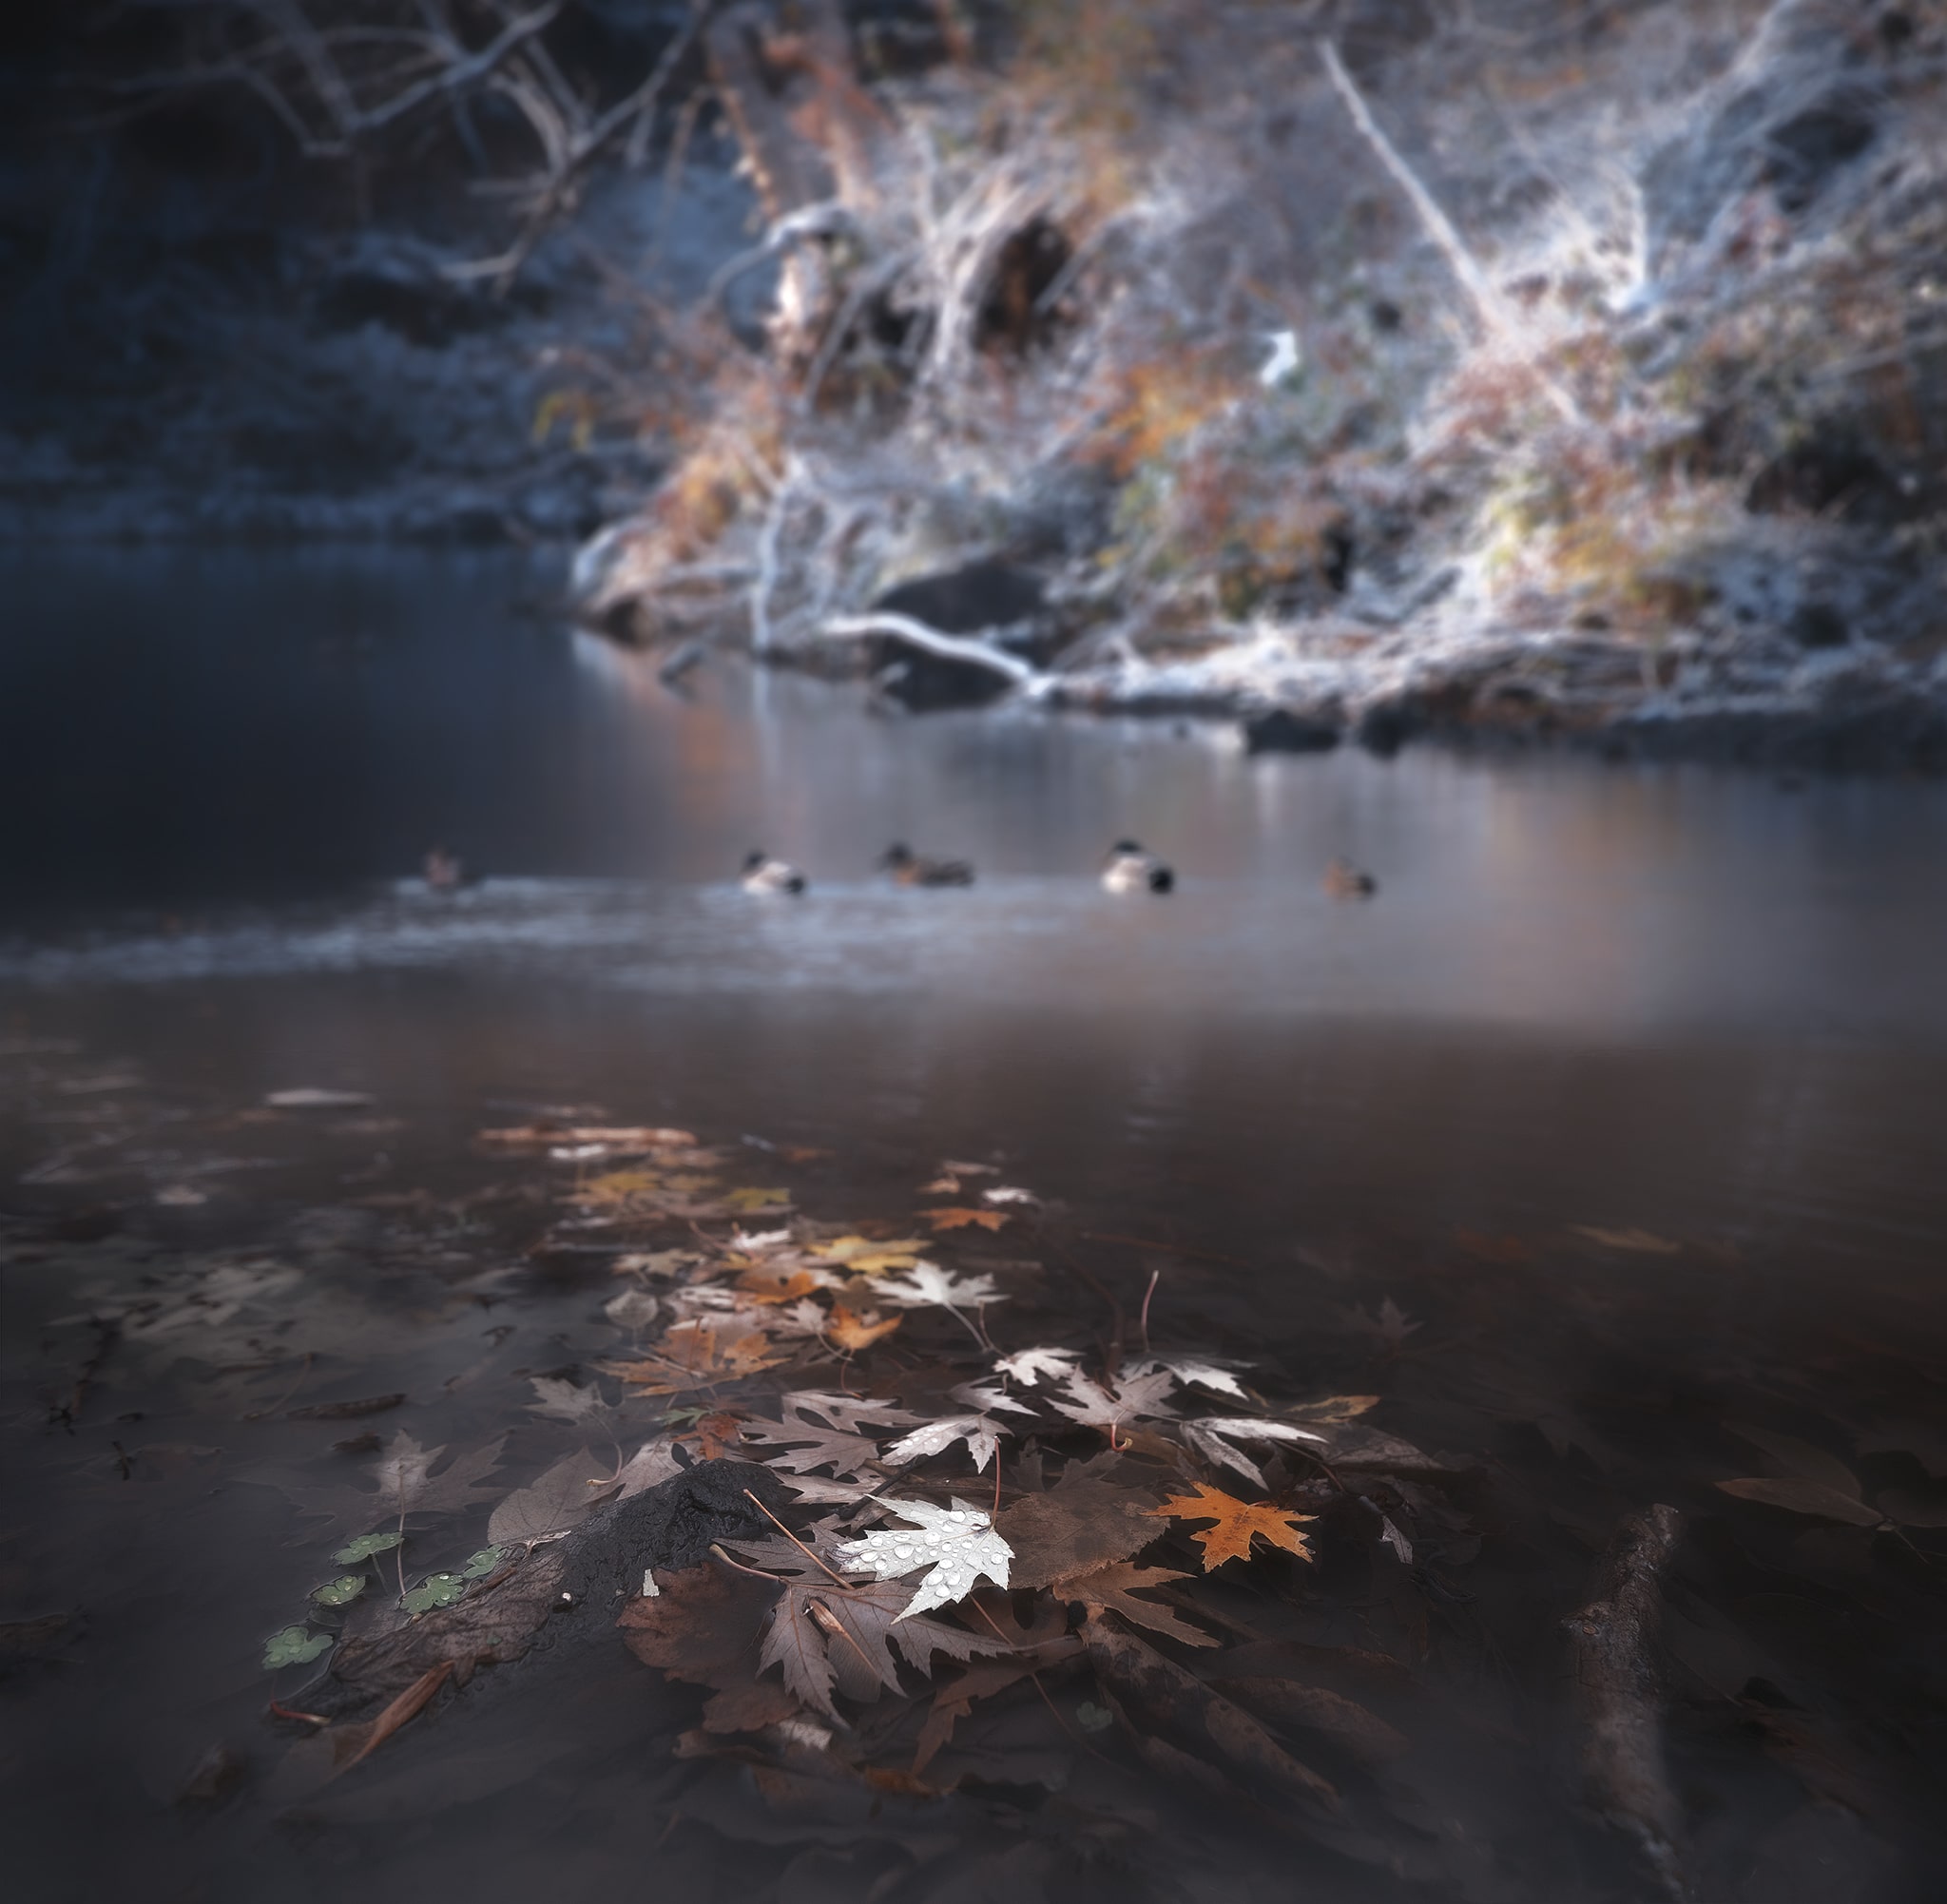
1624,1089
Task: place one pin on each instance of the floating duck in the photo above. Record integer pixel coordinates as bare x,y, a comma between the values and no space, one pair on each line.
444,871
761,874
1343,881
909,869
1129,869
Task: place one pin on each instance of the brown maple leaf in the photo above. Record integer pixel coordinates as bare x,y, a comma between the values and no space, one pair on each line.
1237,1522
691,1356
955,1218
1117,1585
853,1331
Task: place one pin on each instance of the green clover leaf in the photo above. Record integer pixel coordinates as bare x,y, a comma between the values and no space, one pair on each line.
365,1547
294,1647
437,1589
480,1564
339,1592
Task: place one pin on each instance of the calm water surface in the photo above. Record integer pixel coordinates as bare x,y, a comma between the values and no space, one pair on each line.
1700,1008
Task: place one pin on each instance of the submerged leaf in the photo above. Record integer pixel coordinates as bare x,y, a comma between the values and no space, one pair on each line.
1799,1496
294,1647
1238,1524
366,1546
552,1503
1117,1585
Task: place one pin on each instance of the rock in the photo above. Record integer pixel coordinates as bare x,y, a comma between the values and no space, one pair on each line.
974,598
1386,725
1283,731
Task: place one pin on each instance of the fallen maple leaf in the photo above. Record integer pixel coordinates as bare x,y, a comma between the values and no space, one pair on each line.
853,1331
958,1544
935,1437
1237,1523
1116,1585
927,1285
1026,1366
1094,1406
954,1217
1189,1370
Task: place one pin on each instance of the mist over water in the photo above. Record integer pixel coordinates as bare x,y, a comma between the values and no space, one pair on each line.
1698,1006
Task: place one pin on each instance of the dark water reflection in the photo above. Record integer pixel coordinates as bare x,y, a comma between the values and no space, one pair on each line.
1700,1007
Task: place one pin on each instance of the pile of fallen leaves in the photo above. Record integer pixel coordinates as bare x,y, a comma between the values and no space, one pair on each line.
967,1523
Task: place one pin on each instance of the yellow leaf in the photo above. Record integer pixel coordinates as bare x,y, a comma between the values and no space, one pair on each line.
941,1186
747,1201
768,1286
1237,1523
618,1186
1640,1241
954,1219
855,1332
1336,1407
845,1249
878,1262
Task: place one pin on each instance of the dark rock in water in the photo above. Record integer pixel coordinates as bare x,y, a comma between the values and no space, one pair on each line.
1818,625
1387,725
1281,731
664,1529
1861,727
963,601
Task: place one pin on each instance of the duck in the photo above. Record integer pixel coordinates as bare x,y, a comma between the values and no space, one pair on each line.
909,869
1343,881
444,871
1129,869
761,874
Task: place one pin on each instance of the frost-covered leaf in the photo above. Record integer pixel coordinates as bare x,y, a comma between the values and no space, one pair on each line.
552,1504
1190,1371
957,1544
563,1401
1026,1366
435,1591
935,1437
339,1592
759,1239
634,1309
366,1546
927,1287
294,1647
988,1396
1009,1193
1215,1438
1135,1398
1238,1524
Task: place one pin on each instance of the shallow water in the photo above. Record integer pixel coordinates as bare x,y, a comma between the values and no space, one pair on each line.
1698,1011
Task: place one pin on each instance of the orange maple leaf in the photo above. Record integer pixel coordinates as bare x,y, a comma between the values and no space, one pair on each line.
855,1331
1237,1522
765,1285
956,1218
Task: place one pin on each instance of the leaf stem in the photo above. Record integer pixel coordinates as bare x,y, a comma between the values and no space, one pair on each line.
844,1584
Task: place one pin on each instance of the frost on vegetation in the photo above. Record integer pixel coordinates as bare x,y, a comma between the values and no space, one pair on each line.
956,1546
1462,366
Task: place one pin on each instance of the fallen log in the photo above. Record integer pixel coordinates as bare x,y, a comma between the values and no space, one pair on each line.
663,1530
1619,1695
